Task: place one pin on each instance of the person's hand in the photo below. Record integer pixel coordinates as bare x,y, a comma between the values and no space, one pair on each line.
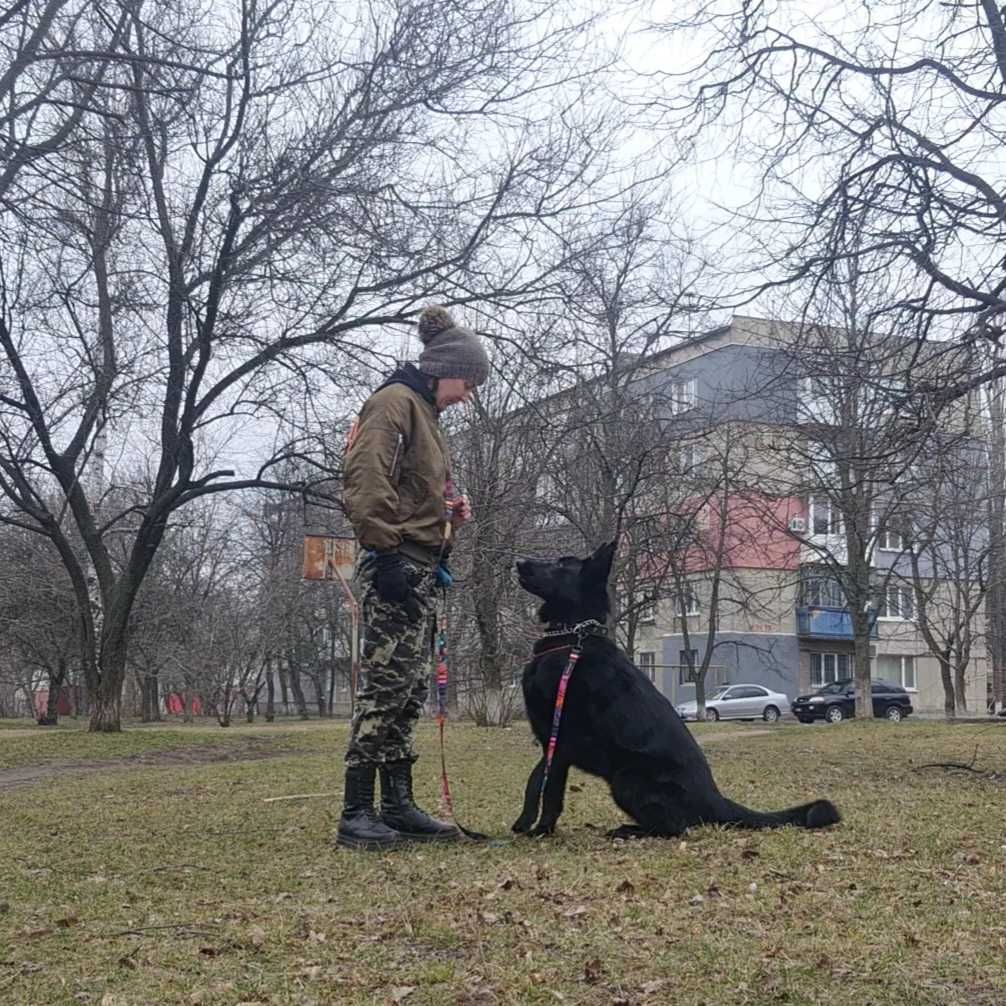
443,575
461,510
392,583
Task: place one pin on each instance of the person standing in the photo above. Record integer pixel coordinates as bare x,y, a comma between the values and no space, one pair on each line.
399,497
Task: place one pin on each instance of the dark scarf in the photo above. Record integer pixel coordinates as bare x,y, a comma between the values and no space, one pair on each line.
411,377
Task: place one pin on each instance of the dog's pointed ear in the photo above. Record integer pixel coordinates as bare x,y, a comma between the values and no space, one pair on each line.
599,563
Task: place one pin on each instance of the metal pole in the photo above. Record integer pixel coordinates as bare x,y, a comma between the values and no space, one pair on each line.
354,651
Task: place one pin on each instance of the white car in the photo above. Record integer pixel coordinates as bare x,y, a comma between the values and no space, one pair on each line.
739,702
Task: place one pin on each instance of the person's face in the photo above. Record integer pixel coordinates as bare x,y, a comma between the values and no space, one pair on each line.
452,391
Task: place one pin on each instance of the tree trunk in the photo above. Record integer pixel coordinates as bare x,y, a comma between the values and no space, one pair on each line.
50,717
223,708
293,673
700,692
284,681
270,691
106,712
960,687
81,700
150,697
141,680
949,703
861,663
995,599
319,694
494,711
105,682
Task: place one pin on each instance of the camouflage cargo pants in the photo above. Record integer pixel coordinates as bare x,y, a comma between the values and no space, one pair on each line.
394,669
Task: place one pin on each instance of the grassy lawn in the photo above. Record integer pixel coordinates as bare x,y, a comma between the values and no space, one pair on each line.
178,884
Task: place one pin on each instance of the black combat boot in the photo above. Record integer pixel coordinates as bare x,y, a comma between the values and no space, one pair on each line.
399,811
359,826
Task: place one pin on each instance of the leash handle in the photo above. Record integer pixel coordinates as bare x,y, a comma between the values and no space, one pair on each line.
560,701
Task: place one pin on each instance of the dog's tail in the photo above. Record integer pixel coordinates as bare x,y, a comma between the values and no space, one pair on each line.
818,814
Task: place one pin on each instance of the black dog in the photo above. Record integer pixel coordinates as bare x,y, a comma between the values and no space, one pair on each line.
615,724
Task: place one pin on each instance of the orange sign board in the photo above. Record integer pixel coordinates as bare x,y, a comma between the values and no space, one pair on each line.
328,558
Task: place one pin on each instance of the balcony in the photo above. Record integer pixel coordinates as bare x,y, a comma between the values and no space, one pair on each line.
827,623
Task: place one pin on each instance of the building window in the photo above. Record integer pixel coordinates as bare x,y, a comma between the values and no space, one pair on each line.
889,540
686,601
688,660
891,537
688,458
648,664
819,589
647,612
683,396
828,667
897,603
825,517
898,670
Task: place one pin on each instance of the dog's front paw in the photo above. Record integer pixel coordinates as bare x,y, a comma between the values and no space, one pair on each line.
522,825
543,829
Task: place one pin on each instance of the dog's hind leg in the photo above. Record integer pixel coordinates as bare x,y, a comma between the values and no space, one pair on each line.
532,797
552,798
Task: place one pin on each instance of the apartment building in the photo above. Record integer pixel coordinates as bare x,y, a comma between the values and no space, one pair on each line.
755,400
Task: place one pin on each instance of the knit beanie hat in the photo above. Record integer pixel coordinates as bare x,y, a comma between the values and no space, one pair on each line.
451,350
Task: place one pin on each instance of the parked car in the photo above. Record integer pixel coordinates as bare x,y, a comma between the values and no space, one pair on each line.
739,702
837,701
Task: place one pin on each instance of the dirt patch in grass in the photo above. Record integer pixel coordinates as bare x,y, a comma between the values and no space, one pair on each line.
34,749
249,749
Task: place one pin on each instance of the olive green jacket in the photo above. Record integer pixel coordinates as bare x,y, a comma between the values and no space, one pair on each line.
396,471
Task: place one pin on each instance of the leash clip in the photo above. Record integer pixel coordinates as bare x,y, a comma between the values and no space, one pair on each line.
583,629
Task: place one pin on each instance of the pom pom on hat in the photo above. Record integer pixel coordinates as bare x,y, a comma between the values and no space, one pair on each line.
432,321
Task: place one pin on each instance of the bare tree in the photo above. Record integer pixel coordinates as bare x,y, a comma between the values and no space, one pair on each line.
562,447
212,217
883,123
717,518
948,543
995,608
500,456
38,618
231,646
850,459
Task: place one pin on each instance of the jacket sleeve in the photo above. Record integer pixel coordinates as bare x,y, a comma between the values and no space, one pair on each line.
372,470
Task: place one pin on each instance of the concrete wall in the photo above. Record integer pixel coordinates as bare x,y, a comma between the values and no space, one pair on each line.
746,658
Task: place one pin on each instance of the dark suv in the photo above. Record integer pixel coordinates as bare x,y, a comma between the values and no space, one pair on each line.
837,702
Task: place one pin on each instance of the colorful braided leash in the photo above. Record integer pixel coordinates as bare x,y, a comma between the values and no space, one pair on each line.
560,701
441,683
441,679
581,630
